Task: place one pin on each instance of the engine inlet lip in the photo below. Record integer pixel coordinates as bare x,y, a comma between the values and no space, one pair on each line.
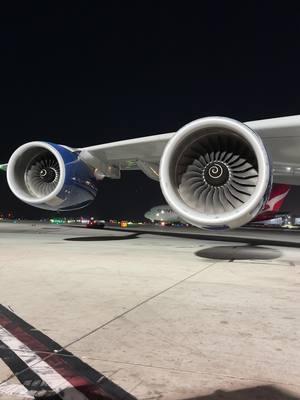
12,163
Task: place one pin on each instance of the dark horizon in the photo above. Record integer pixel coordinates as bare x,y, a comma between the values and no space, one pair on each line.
85,75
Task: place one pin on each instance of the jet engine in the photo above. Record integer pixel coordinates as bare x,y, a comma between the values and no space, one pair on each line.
51,177
215,173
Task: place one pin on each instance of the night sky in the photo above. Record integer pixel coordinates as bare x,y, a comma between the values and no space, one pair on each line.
86,75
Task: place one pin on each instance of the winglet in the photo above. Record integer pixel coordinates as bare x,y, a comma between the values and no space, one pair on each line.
3,167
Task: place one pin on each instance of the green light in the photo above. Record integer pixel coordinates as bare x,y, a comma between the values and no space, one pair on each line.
57,221
3,167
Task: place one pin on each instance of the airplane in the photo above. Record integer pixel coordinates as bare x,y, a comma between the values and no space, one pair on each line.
165,214
162,213
214,172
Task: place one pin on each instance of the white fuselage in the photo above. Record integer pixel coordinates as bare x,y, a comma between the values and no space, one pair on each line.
162,213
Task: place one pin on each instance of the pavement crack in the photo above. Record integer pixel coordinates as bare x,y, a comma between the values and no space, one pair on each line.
188,371
49,355
98,328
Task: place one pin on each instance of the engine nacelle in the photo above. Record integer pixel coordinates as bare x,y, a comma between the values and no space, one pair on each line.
51,177
215,173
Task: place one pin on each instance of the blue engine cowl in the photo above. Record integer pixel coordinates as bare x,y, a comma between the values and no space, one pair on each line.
51,177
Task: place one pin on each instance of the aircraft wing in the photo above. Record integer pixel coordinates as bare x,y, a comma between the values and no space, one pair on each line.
281,137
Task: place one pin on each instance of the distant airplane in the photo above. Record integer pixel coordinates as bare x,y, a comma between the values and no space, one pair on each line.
214,172
162,213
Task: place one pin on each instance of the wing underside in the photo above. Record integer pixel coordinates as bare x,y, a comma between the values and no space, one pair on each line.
281,137
135,154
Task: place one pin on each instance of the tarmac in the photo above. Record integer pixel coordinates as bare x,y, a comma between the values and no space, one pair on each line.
156,315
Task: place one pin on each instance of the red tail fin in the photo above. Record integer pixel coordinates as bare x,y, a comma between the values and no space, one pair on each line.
277,197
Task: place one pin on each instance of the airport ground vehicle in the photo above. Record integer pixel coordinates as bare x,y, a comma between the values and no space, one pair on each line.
95,223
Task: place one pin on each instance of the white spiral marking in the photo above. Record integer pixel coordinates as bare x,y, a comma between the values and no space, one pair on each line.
215,171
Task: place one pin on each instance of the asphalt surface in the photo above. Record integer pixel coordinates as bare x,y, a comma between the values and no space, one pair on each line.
148,315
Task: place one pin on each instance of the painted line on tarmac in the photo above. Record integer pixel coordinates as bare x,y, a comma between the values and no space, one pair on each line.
31,382
54,380
44,367
16,390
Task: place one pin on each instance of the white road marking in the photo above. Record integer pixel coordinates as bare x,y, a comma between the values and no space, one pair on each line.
15,390
52,378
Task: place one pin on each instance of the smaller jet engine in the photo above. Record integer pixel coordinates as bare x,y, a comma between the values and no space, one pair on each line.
51,177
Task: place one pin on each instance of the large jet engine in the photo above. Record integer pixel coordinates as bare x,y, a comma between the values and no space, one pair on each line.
50,176
215,173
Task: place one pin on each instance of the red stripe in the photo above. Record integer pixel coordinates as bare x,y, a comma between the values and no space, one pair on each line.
80,382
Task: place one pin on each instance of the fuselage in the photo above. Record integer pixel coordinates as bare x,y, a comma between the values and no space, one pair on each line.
162,213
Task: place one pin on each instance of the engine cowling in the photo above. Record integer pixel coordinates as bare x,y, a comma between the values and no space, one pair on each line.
215,173
51,177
